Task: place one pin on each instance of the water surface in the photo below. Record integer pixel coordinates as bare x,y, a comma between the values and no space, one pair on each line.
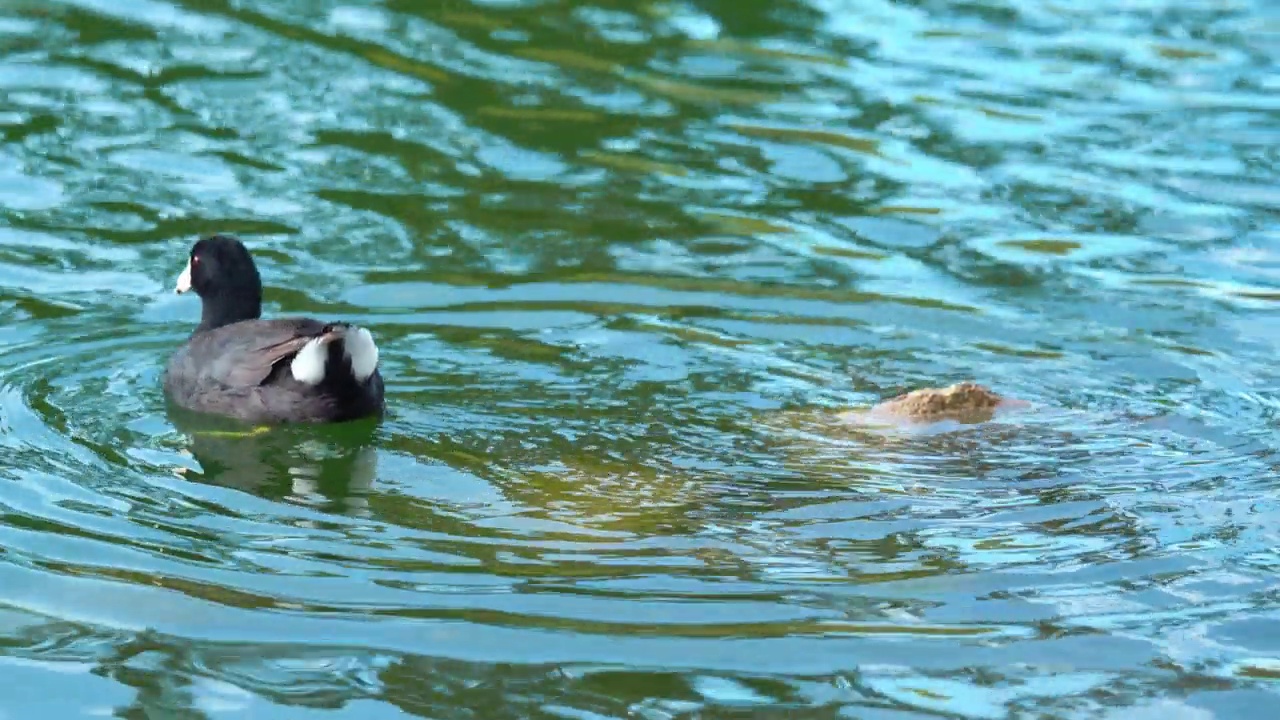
626,261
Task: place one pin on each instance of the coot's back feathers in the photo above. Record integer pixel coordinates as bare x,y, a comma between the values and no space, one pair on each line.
282,370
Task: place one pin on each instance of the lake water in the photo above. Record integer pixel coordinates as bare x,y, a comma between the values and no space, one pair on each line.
627,262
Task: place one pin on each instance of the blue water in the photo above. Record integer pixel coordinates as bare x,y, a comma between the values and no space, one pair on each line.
632,267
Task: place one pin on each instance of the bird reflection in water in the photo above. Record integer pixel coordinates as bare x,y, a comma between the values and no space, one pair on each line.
326,467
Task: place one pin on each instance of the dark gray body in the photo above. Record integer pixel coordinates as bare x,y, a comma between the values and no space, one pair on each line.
241,370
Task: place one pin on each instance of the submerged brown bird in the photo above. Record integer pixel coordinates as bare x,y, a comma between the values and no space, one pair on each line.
966,402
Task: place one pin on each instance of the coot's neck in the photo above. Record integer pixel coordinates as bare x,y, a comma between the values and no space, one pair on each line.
226,308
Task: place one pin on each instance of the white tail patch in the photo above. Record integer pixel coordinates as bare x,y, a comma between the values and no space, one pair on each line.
362,352
308,364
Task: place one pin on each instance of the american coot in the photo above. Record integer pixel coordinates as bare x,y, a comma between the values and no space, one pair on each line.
266,371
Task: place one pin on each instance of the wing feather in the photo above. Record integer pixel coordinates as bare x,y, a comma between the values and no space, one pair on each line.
240,356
